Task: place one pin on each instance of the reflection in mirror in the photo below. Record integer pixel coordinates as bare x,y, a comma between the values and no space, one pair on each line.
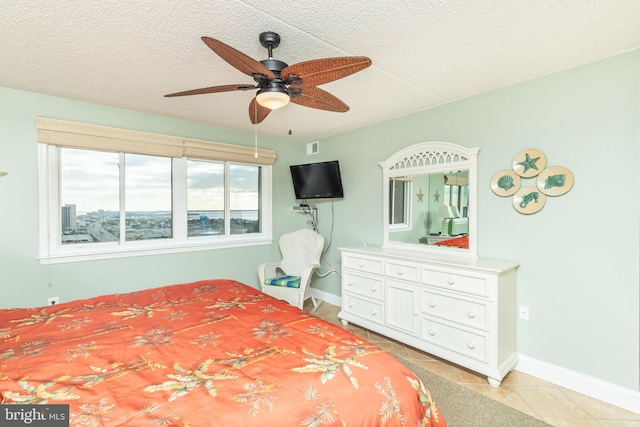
399,202
431,218
456,196
430,199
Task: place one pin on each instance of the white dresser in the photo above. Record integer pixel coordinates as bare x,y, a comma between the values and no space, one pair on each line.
459,309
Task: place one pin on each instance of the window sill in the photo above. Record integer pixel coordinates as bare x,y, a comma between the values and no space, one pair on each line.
398,228
86,253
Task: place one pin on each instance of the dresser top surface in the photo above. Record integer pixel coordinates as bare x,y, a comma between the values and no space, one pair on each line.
485,264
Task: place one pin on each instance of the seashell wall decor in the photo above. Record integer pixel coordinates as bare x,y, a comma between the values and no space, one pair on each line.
549,181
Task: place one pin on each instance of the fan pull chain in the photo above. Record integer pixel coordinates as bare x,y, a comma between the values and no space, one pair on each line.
255,131
256,143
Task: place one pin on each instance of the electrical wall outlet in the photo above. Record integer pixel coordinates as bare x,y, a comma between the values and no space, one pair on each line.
53,300
524,312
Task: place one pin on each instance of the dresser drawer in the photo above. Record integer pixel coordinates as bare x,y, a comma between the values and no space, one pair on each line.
455,339
404,271
455,309
368,265
455,282
363,285
371,311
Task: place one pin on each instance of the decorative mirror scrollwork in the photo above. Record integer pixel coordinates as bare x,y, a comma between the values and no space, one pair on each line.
429,196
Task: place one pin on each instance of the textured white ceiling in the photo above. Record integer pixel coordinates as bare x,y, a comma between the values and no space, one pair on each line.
129,53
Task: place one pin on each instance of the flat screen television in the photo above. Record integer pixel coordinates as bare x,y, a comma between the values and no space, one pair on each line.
320,180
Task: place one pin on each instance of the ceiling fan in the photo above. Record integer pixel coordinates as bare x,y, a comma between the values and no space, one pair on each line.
277,83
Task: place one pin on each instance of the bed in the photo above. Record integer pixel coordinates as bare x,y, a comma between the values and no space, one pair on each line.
207,353
456,242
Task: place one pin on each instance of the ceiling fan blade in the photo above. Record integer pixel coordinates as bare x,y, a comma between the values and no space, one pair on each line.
238,59
257,112
212,89
320,71
314,97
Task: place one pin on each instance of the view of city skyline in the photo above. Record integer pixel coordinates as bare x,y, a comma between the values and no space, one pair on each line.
104,226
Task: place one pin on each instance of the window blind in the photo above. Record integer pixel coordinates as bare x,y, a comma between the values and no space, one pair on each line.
64,133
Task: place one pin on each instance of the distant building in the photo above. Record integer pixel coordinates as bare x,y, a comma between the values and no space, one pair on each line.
76,238
68,219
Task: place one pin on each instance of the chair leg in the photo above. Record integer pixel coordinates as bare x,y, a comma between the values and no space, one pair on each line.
316,304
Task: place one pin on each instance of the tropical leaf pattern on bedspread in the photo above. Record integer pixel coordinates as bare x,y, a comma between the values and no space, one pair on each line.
208,353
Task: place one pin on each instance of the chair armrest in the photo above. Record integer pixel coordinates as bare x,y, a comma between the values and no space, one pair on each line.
305,275
267,270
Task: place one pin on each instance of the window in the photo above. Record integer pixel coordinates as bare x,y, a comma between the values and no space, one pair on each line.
399,203
456,191
134,201
89,195
206,199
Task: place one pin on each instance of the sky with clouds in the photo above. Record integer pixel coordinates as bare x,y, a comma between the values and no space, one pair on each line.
90,180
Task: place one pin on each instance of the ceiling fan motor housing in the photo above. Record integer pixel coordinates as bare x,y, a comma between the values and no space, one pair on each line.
277,84
274,65
273,86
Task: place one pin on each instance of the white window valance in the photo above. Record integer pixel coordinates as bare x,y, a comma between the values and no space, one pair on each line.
64,133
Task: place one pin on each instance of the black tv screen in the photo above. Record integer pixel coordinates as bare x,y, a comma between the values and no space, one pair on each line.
317,180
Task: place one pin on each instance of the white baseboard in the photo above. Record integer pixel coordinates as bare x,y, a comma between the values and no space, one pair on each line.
327,296
610,393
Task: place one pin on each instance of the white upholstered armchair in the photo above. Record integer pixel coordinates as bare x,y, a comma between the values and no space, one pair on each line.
289,278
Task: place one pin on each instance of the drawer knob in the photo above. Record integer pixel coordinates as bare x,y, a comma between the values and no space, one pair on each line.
471,314
351,304
471,346
432,332
373,289
451,281
433,304
400,272
350,283
361,265
374,312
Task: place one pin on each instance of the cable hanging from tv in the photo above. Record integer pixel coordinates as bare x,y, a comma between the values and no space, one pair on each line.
311,211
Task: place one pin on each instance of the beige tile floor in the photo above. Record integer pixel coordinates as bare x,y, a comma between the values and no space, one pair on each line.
555,405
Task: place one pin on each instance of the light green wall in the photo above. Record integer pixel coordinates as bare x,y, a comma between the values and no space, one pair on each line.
578,274
420,209
434,184
579,270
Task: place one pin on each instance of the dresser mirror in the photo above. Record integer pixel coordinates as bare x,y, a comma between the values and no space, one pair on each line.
429,199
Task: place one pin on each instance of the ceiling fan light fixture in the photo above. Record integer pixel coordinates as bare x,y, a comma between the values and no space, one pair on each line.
272,97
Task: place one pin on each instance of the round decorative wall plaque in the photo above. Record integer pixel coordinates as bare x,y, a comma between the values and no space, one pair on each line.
529,200
529,163
505,183
555,181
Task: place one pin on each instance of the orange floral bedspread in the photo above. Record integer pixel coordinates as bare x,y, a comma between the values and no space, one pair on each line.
458,242
209,353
